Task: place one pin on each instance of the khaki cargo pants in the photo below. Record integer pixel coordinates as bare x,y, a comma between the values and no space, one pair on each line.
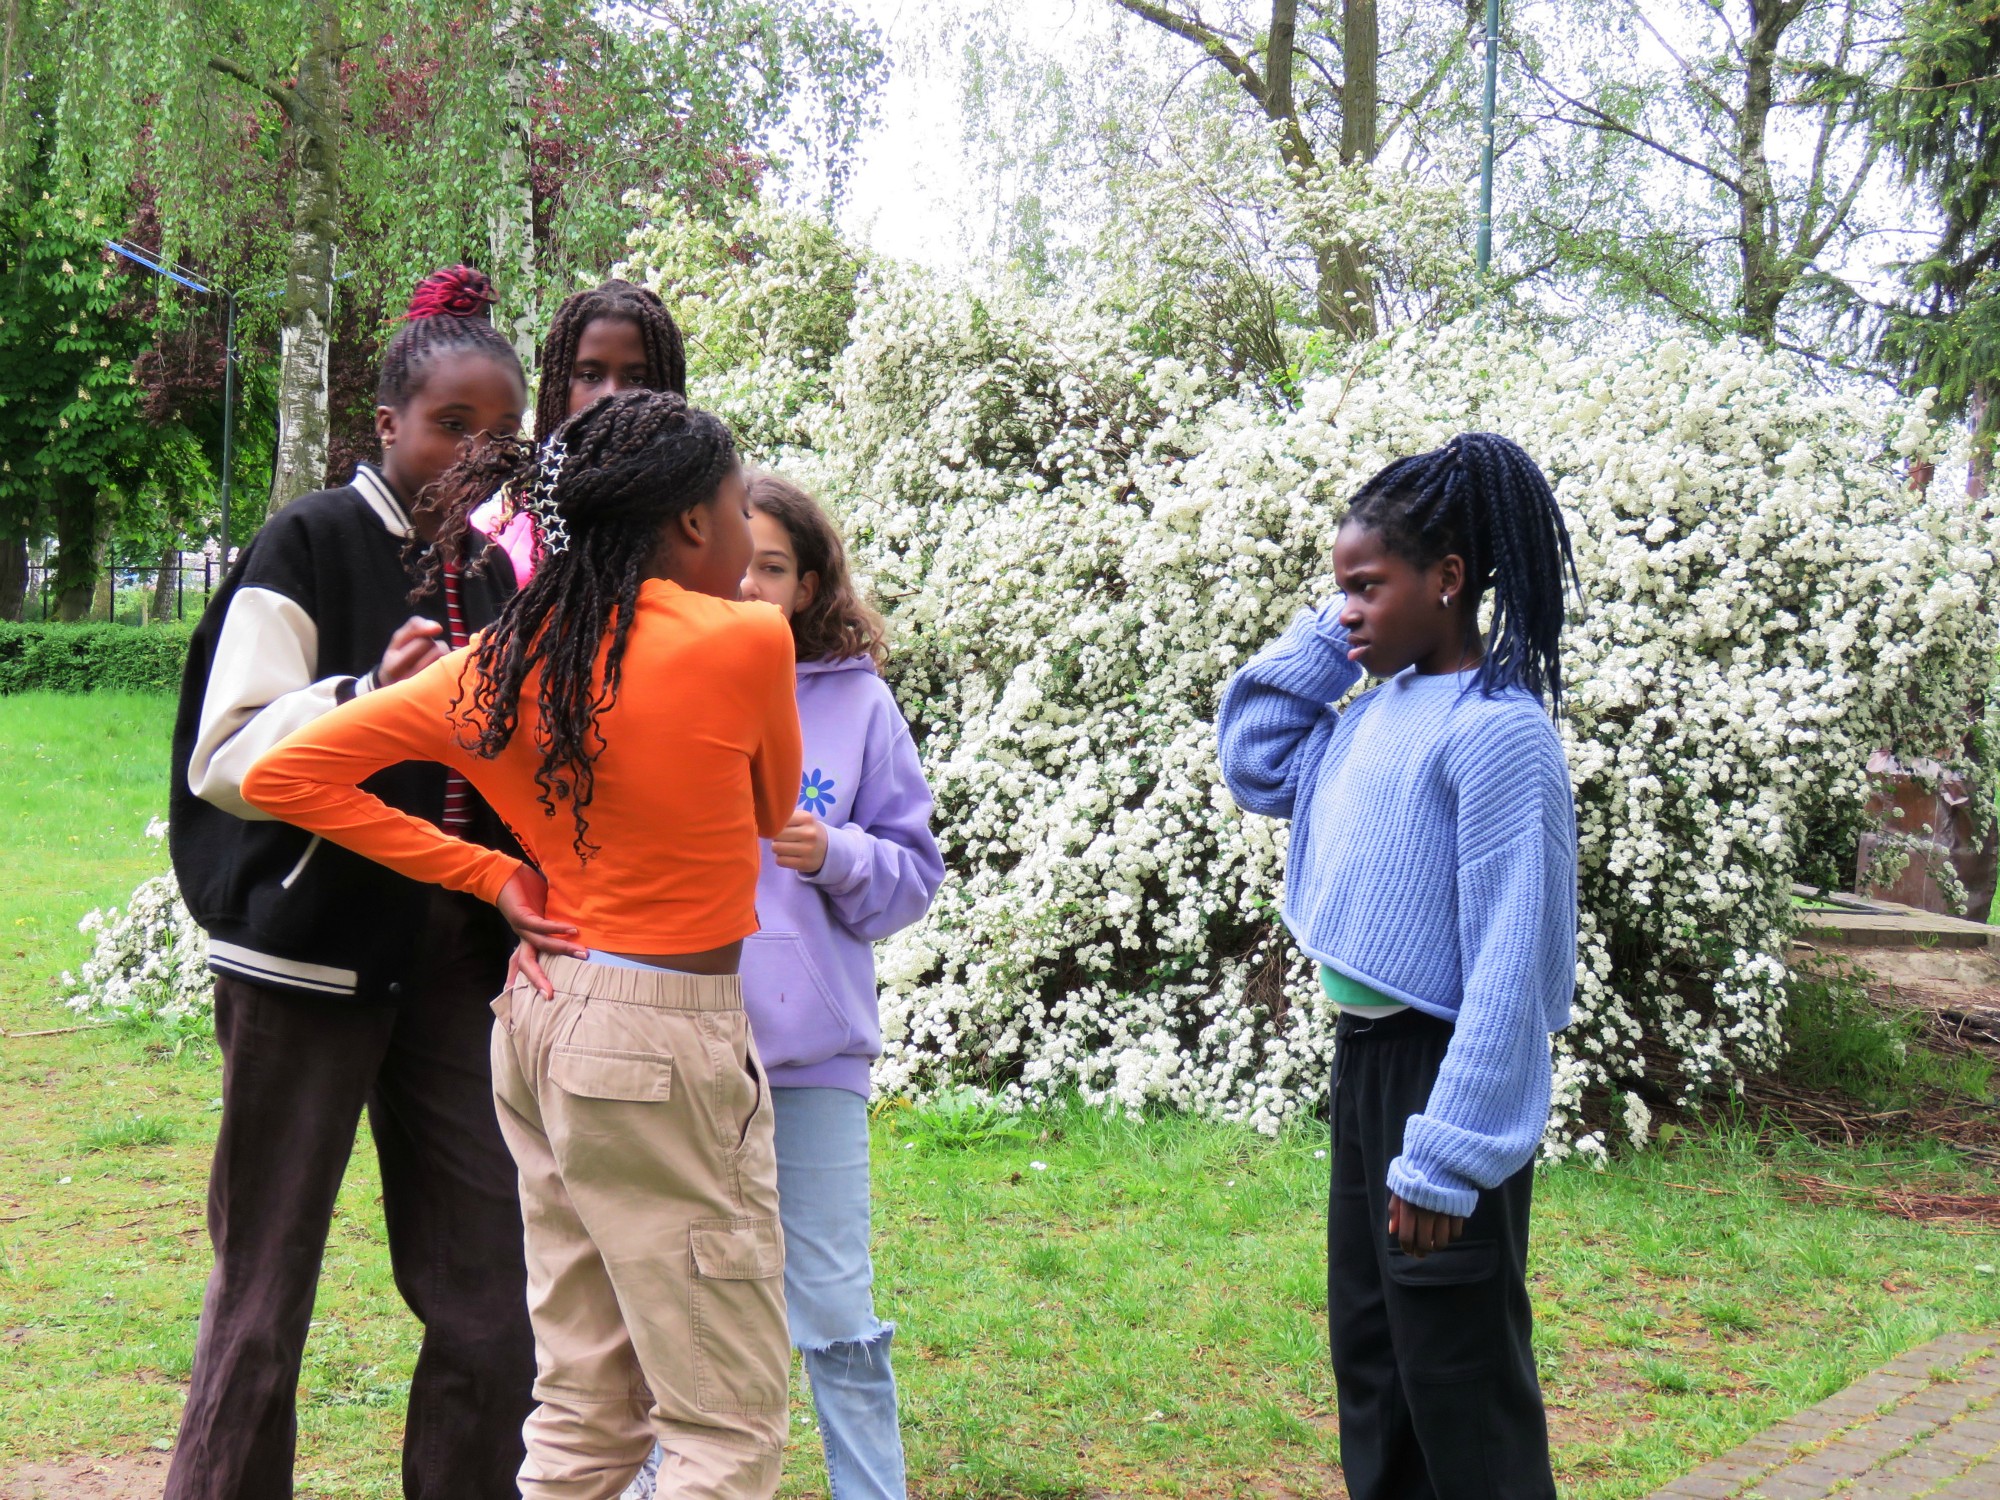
640,1119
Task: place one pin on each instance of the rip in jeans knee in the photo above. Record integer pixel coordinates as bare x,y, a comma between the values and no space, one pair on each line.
872,1345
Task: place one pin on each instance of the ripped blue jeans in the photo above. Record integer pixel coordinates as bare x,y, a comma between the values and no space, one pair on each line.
830,1292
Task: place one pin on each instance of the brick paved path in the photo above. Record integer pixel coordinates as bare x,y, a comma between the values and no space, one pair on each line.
1924,1425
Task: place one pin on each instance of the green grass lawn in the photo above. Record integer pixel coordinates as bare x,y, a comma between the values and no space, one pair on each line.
1142,1313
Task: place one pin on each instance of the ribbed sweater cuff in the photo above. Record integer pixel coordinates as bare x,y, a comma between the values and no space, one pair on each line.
1310,658
1406,1184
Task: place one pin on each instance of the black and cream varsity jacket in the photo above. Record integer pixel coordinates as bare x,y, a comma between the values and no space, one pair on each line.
296,628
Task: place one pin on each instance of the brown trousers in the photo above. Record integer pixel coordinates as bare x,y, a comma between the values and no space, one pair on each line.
296,1074
640,1119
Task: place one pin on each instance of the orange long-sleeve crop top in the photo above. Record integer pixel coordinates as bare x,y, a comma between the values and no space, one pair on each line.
700,757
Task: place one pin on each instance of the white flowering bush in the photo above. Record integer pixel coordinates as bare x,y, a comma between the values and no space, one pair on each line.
149,960
1079,539
763,302
1078,542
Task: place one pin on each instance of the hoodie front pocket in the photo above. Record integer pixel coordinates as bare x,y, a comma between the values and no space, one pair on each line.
793,1012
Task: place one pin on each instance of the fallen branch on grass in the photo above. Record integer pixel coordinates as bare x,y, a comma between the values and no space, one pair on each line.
1915,1205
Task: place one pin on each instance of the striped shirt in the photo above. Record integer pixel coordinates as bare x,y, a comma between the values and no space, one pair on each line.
457,790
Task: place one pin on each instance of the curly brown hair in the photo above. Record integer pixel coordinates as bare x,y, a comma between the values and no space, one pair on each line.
837,624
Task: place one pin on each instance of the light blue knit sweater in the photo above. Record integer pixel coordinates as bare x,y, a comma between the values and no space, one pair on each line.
1433,858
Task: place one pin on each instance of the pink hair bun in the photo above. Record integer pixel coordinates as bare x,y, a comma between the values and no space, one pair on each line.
460,292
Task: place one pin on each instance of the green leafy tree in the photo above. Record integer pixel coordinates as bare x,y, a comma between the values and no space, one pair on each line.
1942,121
1315,74
72,324
411,132
1708,159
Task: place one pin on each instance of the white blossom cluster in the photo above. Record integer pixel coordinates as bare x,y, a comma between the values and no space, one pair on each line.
1078,542
149,960
763,303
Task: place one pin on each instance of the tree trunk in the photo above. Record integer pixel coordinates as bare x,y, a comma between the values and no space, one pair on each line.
13,577
1360,104
104,598
512,223
13,36
1979,473
83,527
313,123
1756,227
165,579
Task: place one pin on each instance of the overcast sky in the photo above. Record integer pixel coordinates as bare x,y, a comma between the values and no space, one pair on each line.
908,197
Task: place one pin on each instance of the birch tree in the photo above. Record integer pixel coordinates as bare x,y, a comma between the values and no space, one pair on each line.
1314,74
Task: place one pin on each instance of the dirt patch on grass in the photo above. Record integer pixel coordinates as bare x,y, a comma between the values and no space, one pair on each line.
125,1476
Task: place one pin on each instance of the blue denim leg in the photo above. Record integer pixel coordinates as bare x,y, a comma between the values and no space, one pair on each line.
829,1288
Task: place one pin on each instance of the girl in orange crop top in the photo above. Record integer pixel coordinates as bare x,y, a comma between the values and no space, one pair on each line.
637,728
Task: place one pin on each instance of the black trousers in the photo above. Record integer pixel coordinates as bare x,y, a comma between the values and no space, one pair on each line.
1432,1358
296,1075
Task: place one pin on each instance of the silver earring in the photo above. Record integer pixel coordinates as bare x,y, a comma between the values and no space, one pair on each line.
1444,601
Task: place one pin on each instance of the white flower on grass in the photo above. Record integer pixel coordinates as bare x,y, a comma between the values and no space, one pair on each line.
1638,1120
151,959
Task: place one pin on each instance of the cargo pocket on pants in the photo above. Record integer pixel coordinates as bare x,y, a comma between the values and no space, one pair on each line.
607,1073
742,1353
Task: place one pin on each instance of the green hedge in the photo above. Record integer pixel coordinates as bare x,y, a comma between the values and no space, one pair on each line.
91,658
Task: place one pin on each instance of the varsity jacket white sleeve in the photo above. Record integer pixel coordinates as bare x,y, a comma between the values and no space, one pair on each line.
260,689
261,685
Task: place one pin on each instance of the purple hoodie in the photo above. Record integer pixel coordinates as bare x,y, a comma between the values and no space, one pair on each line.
809,973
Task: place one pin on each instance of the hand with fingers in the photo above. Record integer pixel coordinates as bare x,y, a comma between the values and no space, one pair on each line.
415,645
1421,1230
524,902
801,843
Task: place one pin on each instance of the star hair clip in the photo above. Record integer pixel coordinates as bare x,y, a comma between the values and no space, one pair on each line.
541,498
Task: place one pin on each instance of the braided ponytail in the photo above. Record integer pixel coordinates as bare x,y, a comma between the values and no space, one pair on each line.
1482,497
632,464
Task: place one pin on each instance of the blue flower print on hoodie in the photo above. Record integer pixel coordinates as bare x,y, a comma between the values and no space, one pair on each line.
816,792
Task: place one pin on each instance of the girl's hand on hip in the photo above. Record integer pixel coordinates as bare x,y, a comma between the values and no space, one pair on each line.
524,902
1421,1230
801,844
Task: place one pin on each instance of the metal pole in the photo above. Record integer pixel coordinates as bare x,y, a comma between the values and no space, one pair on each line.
1484,253
228,416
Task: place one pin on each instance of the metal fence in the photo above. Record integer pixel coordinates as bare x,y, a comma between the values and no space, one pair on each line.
136,595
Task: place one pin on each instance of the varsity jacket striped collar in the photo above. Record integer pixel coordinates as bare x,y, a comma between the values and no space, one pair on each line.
382,500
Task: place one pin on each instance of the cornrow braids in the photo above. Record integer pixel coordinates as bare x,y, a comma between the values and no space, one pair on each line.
633,464
1482,497
659,335
449,312
837,624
